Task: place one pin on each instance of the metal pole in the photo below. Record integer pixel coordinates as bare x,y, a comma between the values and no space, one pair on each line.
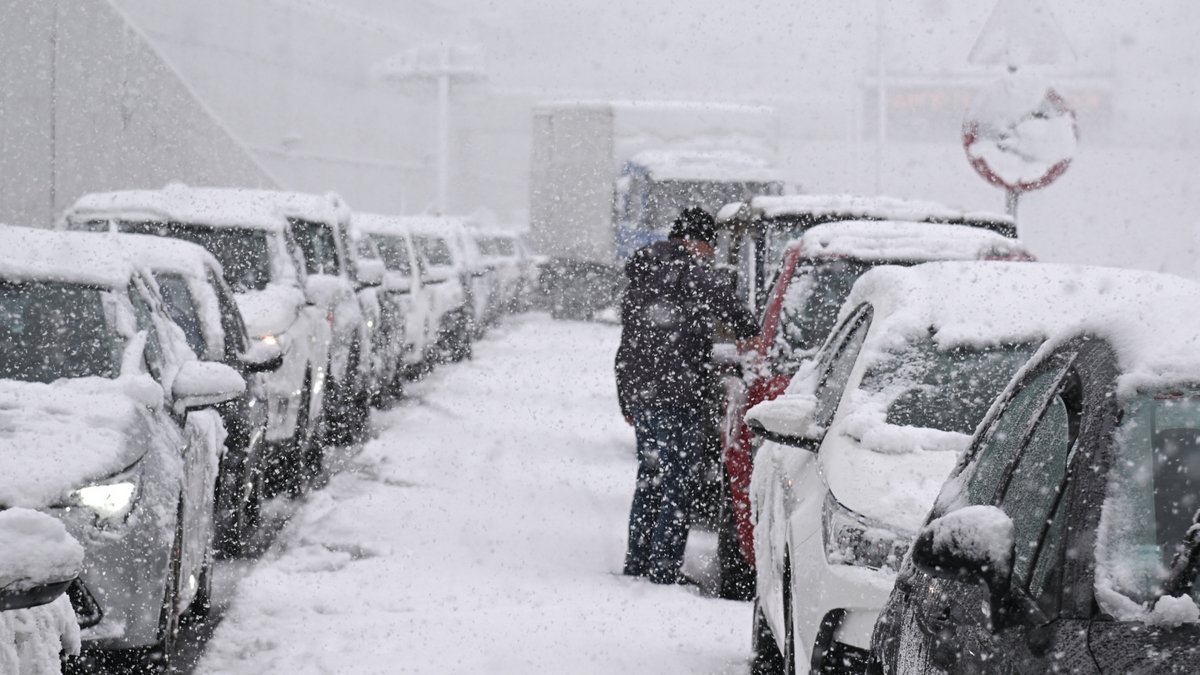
880,92
1012,199
443,140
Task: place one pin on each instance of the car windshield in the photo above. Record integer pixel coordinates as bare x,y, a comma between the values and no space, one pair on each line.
51,331
394,251
1153,494
814,295
435,250
243,253
927,387
319,246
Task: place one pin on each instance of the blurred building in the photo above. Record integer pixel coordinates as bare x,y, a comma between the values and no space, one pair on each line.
87,104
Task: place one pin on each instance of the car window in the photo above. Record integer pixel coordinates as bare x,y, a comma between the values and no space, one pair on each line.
153,353
1005,435
814,296
836,372
435,250
231,320
318,246
394,251
50,331
181,307
1033,487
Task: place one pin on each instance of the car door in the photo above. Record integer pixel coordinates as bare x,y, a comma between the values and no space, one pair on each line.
1020,465
195,438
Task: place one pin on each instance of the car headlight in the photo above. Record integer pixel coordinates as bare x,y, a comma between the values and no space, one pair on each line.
270,340
854,539
111,502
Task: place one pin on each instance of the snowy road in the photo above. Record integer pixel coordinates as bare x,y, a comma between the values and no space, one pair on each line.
481,532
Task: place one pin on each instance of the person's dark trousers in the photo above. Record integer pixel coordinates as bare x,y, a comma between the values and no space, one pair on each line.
667,443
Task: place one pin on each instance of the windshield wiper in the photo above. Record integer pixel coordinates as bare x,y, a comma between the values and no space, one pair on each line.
1186,562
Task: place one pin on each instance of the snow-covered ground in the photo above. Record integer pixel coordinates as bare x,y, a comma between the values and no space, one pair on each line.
482,531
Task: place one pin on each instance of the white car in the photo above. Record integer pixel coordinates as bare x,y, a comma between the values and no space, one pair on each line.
443,268
412,306
196,297
858,447
265,267
503,255
107,425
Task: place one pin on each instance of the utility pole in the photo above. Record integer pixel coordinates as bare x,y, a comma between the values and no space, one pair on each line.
446,66
880,91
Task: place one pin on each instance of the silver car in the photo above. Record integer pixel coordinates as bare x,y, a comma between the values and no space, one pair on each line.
106,419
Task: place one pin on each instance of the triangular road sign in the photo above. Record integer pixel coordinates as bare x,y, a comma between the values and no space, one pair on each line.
1021,33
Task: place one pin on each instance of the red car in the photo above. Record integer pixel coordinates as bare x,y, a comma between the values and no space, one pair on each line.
798,309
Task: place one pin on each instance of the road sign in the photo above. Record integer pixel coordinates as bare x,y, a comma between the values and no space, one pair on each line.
1020,134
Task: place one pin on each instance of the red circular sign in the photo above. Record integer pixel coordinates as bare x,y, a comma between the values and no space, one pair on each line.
1023,152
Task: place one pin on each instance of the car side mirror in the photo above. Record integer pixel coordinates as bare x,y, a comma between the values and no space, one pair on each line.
370,273
970,545
261,357
398,283
437,275
203,384
38,561
788,420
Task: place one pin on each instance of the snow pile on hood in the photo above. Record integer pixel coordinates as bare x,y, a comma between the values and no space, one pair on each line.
854,207
58,437
903,241
270,311
37,550
233,207
894,474
79,257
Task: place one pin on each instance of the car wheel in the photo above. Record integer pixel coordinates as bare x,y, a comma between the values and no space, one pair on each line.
737,576
767,660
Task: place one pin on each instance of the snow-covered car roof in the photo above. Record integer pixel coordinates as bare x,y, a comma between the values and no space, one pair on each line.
854,207
719,165
986,304
436,225
217,207
170,255
79,257
376,223
905,241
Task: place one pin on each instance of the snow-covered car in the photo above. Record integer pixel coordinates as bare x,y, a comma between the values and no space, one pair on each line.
443,269
472,269
197,298
264,267
502,254
811,281
857,447
320,225
754,235
38,561
1065,539
380,334
107,425
412,308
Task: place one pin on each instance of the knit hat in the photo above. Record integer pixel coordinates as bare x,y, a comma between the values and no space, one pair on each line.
694,223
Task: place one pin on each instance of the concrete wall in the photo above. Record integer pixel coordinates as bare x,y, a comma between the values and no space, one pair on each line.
86,104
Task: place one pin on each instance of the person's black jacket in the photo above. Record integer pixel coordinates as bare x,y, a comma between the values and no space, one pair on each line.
668,314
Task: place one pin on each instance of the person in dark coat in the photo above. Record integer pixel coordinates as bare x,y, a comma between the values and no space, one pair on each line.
669,313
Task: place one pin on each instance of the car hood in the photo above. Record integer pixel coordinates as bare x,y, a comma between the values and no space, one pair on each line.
889,473
270,311
57,437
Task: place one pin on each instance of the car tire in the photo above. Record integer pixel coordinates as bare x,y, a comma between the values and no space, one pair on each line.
767,659
737,576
